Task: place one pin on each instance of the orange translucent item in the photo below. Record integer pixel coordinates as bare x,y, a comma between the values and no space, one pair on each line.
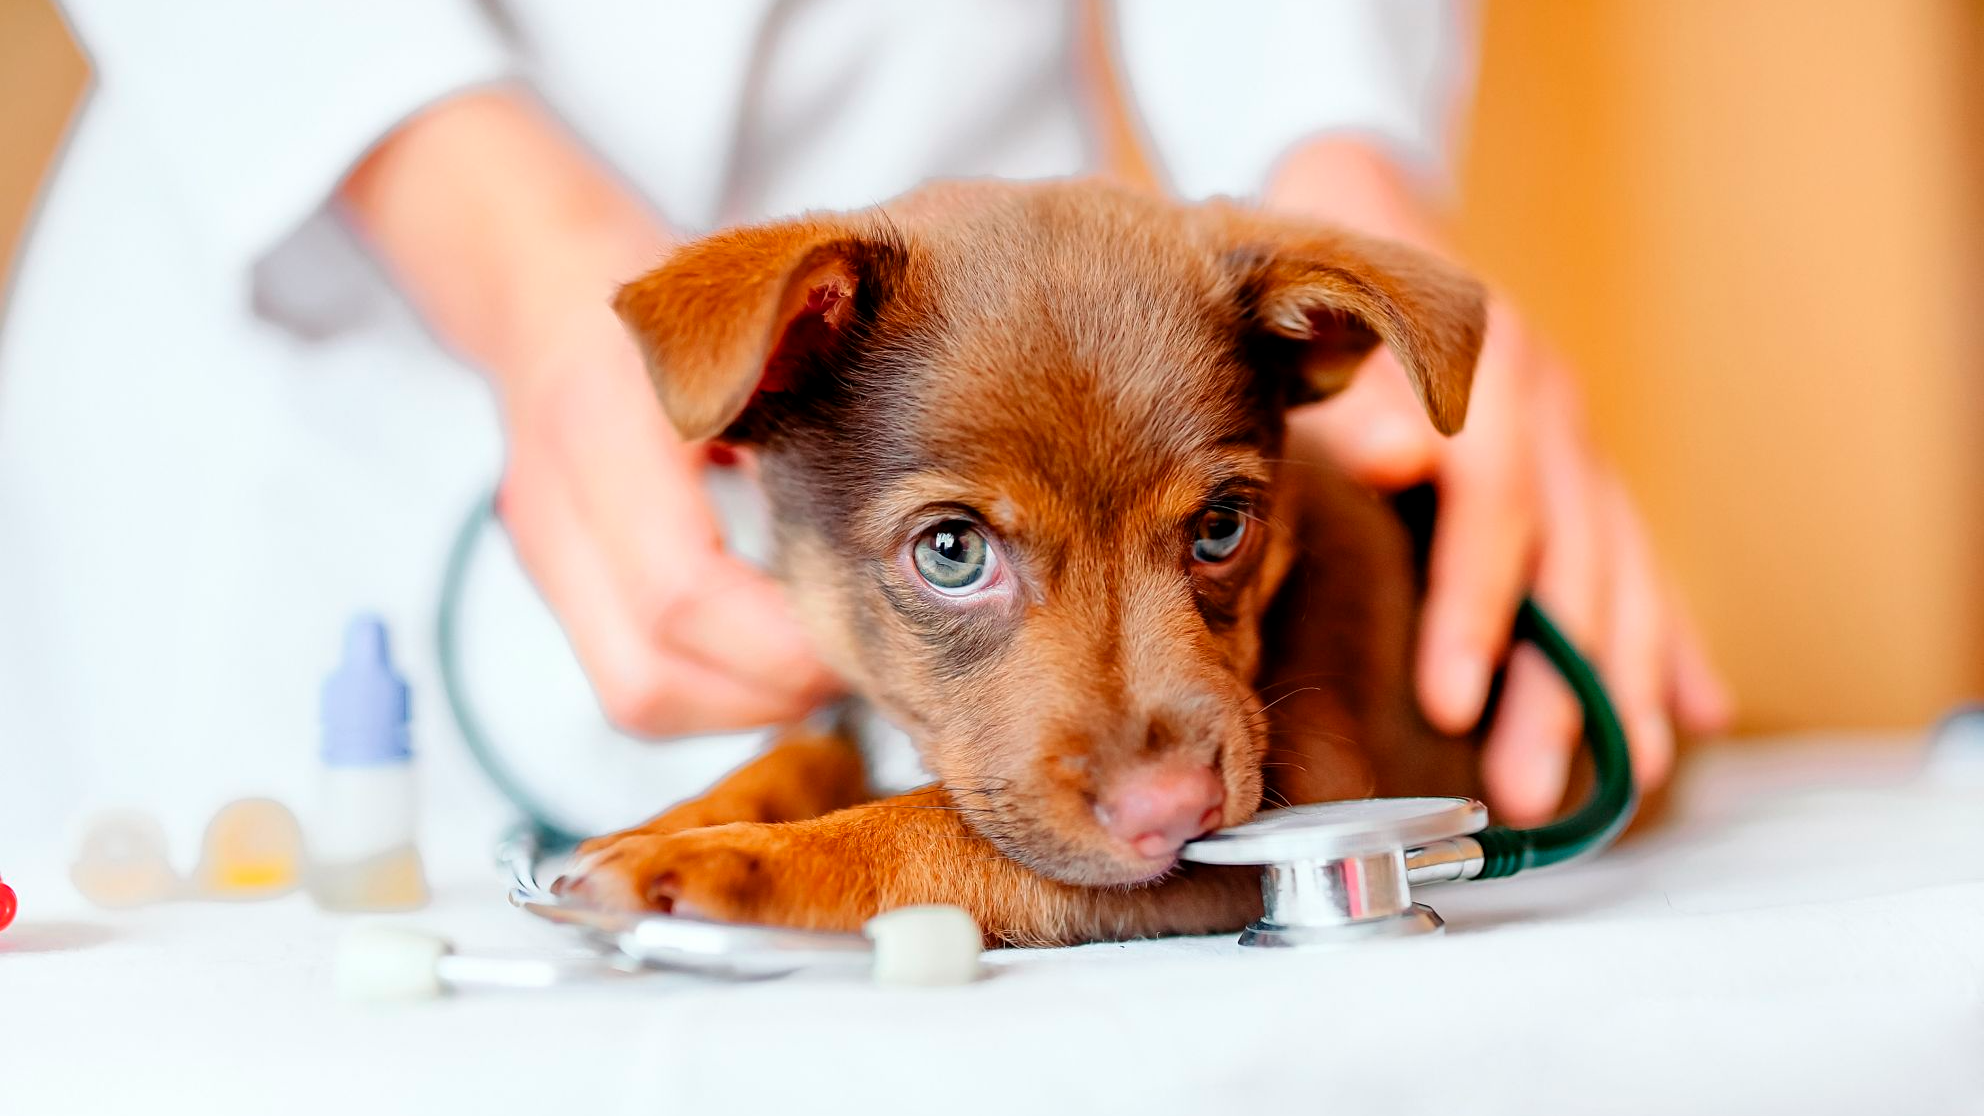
253,850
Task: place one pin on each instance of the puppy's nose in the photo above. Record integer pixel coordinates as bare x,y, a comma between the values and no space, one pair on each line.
1156,809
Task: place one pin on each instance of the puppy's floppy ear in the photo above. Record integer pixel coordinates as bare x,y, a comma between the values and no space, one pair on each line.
1319,299
745,311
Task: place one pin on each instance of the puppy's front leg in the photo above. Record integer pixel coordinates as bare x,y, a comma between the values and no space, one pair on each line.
837,871
802,775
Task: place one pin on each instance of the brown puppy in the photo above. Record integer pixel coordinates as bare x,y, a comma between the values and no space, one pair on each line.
1024,447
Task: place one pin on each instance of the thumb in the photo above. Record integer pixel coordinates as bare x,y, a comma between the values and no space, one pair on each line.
1375,429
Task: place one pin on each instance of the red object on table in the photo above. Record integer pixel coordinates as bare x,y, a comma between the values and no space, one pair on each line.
8,905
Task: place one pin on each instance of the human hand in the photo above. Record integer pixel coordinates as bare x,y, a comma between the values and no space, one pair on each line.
606,507
1526,507
507,236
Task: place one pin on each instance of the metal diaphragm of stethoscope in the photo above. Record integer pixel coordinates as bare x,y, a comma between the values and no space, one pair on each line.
1333,873
1340,872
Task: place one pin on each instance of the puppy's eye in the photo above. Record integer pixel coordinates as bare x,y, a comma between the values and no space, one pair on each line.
954,557
1220,532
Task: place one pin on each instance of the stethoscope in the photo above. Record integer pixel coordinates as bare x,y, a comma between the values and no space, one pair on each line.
1332,873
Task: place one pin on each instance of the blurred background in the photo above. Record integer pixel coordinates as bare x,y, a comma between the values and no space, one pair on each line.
1757,228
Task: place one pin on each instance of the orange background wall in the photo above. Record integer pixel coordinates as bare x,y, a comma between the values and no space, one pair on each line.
1755,226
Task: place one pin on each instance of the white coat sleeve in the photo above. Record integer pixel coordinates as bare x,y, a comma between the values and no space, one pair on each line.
1226,89
258,108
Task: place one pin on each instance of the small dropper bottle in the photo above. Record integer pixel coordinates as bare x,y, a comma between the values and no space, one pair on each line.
362,852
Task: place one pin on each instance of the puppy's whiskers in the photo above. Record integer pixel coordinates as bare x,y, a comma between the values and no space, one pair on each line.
1285,697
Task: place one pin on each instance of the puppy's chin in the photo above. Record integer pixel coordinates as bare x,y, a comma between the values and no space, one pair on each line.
1088,860
1126,871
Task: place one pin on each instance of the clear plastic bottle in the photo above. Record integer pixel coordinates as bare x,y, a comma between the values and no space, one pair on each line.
362,851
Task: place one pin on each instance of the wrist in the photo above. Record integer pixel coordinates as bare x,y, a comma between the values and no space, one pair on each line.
506,235
557,317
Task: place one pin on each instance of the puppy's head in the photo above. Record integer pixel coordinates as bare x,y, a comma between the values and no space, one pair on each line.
1020,444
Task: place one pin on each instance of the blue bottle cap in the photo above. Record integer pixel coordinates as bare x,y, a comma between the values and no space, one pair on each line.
365,703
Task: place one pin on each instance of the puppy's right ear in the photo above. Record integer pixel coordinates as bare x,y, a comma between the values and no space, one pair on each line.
746,311
1323,298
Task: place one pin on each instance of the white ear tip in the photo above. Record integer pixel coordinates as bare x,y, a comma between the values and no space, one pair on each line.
926,946
388,963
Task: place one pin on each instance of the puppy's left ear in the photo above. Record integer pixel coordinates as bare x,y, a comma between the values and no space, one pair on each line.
746,313
1317,300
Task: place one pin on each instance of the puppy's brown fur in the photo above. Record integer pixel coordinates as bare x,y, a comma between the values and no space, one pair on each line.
1082,373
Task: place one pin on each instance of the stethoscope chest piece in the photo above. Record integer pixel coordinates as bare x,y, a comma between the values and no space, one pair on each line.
1335,873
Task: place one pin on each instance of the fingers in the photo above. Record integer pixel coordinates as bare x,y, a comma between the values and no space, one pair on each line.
1642,649
607,510
721,613
644,687
638,497
1484,544
1527,754
1636,661
1526,759
1700,699
1525,507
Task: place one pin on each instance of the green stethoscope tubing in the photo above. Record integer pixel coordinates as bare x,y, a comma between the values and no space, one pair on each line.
1505,850
537,823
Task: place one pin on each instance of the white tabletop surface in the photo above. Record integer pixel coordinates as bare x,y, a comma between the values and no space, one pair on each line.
1805,935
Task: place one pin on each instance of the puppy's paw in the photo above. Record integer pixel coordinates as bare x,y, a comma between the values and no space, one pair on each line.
607,872
741,872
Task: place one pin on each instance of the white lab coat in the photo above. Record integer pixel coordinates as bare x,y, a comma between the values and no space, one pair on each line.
221,432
